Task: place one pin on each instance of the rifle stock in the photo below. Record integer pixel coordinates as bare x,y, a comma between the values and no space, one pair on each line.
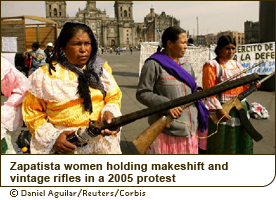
226,107
143,141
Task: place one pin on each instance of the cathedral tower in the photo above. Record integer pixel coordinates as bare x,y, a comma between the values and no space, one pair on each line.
91,5
124,15
55,9
123,10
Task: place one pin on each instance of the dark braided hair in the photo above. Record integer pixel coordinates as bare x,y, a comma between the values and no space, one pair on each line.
171,34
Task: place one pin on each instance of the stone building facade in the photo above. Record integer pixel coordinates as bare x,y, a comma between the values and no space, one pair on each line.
251,32
154,25
118,31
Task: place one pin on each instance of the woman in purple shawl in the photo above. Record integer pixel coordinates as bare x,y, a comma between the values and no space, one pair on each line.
165,77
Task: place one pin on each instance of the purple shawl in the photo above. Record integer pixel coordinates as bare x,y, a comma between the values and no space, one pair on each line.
181,74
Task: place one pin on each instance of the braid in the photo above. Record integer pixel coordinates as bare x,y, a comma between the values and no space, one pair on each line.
56,54
84,92
159,48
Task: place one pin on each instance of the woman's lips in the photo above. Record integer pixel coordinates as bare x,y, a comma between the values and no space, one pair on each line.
83,57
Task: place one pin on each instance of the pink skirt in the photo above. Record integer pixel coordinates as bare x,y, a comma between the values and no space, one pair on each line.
167,144
202,140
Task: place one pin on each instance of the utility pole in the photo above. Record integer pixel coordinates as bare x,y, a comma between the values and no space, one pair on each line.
197,30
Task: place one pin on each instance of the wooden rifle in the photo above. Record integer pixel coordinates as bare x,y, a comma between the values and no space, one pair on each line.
95,127
236,102
151,133
145,139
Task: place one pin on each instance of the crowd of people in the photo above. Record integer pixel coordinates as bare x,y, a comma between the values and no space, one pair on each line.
117,49
71,85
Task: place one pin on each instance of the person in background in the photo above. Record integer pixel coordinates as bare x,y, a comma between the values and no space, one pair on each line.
14,87
231,137
38,57
191,42
165,77
117,50
49,51
77,86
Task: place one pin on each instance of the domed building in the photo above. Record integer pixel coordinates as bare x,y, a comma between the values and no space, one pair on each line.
118,31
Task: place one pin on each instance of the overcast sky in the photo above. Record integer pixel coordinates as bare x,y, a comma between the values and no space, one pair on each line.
213,16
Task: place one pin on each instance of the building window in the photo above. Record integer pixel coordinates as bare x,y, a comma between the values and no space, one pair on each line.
125,13
50,7
60,14
55,12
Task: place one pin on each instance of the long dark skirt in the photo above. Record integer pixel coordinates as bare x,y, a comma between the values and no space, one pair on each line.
230,139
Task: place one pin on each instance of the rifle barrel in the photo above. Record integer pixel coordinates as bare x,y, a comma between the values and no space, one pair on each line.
243,71
267,77
131,117
253,88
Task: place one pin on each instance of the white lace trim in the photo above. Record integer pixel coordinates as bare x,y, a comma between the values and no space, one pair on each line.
113,108
101,145
44,139
106,80
46,135
56,90
53,89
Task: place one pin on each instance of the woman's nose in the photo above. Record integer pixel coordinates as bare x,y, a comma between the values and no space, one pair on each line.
82,48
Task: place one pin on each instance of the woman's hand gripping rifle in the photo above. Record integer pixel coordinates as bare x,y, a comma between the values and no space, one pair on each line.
82,135
95,128
236,103
143,141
